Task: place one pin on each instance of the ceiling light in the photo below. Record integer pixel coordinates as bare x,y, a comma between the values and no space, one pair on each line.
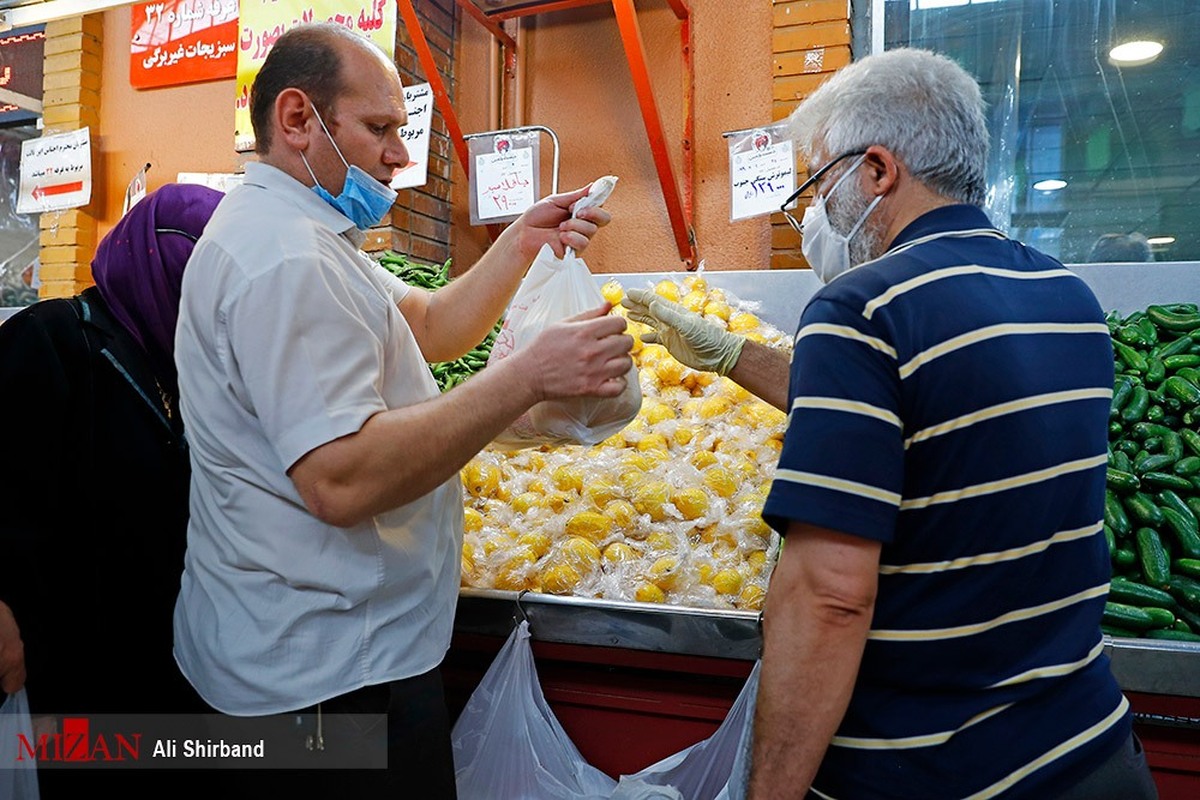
1050,185
1161,240
1134,54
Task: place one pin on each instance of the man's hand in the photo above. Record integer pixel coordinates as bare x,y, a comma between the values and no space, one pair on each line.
12,653
549,221
583,356
690,338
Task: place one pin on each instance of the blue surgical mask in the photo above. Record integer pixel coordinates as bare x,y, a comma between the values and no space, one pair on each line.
364,200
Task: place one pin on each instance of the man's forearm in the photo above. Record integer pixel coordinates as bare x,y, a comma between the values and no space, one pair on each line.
763,371
815,626
804,689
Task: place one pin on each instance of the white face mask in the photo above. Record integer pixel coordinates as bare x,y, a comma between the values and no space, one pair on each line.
826,250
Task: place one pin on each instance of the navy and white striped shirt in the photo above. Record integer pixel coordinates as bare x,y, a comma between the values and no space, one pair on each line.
950,400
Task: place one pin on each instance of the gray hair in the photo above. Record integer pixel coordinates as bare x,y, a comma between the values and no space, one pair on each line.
922,106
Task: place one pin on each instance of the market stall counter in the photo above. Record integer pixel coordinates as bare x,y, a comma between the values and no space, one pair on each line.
633,682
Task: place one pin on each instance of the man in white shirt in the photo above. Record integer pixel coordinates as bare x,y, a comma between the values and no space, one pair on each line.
326,511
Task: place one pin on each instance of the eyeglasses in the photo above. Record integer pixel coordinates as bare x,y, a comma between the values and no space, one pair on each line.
813,178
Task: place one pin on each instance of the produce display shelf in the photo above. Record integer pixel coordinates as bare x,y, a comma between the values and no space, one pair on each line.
778,296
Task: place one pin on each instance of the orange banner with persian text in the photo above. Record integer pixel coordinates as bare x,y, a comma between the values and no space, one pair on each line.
182,41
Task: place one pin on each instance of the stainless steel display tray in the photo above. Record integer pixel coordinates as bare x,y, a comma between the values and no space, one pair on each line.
778,297
1140,665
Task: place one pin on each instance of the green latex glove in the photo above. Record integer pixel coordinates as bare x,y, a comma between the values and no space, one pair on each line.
689,337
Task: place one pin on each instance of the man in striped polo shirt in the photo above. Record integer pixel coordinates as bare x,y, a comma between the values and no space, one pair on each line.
932,628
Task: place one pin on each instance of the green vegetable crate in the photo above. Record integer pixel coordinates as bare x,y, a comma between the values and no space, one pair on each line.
1152,500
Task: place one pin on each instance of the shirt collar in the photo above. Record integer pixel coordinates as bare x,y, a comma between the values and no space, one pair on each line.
959,217
304,198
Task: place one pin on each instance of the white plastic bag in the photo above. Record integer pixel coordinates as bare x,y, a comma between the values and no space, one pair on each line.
507,743
18,778
552,290
714,769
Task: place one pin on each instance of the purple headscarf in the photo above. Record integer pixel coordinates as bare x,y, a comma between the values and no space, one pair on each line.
139,264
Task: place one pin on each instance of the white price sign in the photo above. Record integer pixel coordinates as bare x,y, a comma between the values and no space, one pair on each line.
504,183
762,177
418,101
56,172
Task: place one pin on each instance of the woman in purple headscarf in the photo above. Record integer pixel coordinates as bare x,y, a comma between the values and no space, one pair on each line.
94,473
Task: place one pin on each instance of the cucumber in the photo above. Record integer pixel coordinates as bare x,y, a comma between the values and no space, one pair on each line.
1122,481
1180,361
1134,360
1165,480
1124,558
1181,388
1115,516
1122,391
1138,403
1141,507
1132,593
1185,531
1192,618
1171,319
1156,370
1187,566
1191,440
1171,634
1180,345
1186,590
1186,466
1128,617
1126,446
1168,499
1153,558
1153,463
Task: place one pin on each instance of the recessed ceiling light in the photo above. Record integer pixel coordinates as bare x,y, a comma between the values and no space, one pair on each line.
1161,240
1050,185
1134,54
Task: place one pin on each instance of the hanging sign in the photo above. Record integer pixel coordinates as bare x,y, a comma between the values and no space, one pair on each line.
418,101
56,172
503,178
762,170
264,21
182,41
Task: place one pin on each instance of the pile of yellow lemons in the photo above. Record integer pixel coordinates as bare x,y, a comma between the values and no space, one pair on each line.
665,511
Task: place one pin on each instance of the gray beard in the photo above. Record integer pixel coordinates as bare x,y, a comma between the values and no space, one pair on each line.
867,244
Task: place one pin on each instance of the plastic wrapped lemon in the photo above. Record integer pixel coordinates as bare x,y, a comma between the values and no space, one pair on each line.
589,525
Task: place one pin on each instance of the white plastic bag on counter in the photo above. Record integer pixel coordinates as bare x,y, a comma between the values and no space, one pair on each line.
18,772
715,769
552,290
507,743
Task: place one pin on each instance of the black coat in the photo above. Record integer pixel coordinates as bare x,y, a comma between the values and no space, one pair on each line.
93,511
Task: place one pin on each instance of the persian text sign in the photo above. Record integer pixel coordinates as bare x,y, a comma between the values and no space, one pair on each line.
418,102
56,172
504,181
762,171
264,21
182,41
